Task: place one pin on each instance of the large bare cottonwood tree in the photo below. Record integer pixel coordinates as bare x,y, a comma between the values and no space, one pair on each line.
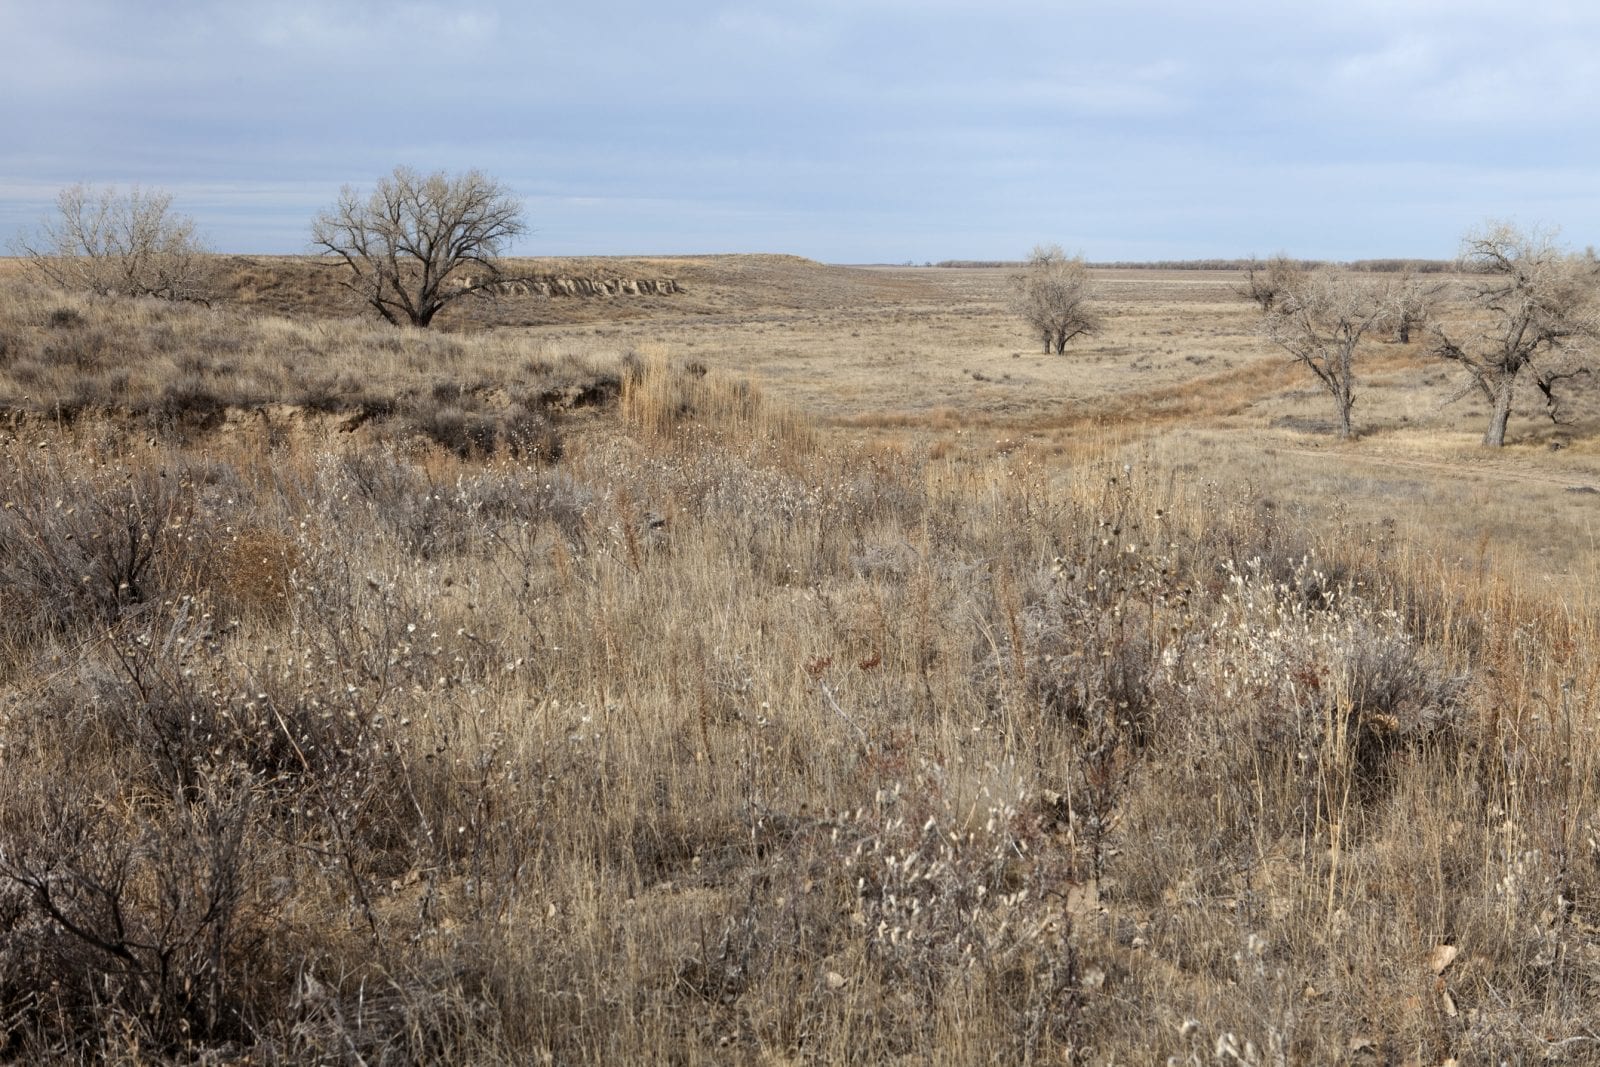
132,243
403,245
1320,319
1054,295
1535,315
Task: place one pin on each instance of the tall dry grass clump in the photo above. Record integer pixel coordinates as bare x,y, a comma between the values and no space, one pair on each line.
661,402
716,741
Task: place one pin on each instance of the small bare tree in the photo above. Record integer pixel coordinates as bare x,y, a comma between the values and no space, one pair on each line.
1320,320
403,245
1054,294
1266,283
1411,303
107,242
1537,312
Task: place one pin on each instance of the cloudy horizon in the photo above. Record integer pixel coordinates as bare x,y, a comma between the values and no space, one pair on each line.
868,131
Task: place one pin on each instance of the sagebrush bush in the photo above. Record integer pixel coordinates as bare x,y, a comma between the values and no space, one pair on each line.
464,433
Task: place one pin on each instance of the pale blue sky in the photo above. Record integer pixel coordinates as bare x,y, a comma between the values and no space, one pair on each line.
863,131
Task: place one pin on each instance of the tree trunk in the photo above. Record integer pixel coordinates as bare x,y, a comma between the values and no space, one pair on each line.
1343,386
1495,436
1405,331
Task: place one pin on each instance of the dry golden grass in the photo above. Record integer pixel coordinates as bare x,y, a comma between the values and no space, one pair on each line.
786,719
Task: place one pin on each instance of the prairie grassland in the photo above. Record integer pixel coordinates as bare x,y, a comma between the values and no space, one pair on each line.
736,723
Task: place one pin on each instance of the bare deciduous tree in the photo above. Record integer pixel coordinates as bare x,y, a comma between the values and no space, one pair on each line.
1320,320
1054,295
107,242
1411,305
1266,283
1536,312
401,244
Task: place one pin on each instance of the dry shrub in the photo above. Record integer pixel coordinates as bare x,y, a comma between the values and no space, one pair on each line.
465,433
63,318
531,434
150,930
519,432
189,405
1327,677
81,545
962,905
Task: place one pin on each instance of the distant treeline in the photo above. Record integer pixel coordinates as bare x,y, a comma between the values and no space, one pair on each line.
1374,266
1404,266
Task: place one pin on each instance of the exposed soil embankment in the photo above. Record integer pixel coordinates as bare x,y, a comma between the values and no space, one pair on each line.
556,285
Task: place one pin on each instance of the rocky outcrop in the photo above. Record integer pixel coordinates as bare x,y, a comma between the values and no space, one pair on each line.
561,285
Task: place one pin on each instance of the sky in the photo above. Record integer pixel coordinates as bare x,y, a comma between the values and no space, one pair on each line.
849,131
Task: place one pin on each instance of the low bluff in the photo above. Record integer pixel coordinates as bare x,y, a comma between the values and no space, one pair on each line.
558,285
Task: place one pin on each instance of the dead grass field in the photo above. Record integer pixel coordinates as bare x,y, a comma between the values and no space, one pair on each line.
934,357
796,669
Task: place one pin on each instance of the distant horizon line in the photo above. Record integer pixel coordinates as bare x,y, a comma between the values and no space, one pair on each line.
1369,263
